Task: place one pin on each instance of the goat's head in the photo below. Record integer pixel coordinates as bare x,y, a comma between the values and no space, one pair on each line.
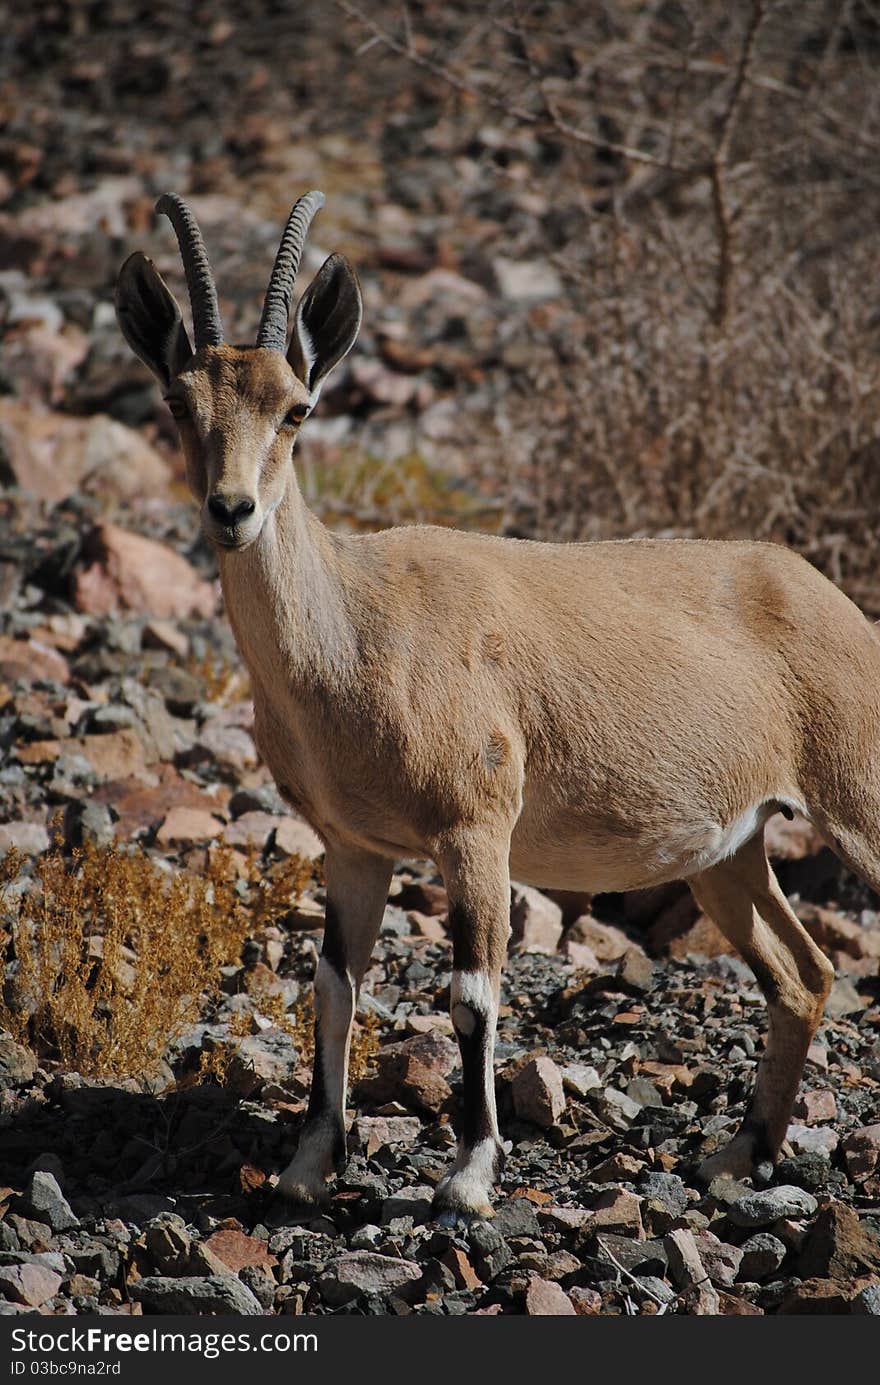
238,408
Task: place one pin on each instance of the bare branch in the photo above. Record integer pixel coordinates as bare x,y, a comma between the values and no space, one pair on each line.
549,118
724,219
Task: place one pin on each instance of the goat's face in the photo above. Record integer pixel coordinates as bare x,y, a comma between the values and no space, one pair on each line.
238,408
238,411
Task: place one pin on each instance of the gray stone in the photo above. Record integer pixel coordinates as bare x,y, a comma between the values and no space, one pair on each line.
762,1254
412,1202
264,798
44,1201
867,1300
489,1250
812,1139
86,821
616,1108
844,999
667,1189
364,1272
17,1064
580,1078
517,1218
168,1242
30,838
261,1283
196,1294
771,1205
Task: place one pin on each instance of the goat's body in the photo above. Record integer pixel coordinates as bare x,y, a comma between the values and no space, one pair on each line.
592,717
560,685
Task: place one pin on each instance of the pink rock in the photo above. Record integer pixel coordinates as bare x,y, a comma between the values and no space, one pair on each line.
537,1092
587,1302
30,838
231,746
791,839
32,1285
54,455
131,573
607,943
581,956
251,829
816,1106
425,926
544,1299
237,1250
535,921
862,1152
376,1131
187,826
619,1211
31,659
117,755
431,1048
293,837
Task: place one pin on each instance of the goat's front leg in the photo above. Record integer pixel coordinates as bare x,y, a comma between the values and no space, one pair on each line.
357,888
479,915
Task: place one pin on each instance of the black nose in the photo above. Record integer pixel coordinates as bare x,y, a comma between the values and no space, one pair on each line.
230,509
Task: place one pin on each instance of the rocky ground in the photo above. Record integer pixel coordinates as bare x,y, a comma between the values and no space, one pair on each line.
627,1042
628,1036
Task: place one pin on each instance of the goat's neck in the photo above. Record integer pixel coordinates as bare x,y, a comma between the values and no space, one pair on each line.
286,600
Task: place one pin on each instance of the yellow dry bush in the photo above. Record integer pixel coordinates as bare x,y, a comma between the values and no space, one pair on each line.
364,1045
300,1024
115,957
273,893
223,683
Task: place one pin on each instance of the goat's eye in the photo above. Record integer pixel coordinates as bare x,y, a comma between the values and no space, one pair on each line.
294,417
177,407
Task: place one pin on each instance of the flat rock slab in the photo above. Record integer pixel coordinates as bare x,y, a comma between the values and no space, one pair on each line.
195,1294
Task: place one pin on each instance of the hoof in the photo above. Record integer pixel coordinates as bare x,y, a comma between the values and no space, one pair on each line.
301,1192
741,1158
465,1192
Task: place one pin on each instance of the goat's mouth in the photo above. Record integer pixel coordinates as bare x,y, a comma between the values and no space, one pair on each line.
232,540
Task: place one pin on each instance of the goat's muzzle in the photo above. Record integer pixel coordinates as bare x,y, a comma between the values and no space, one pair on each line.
229,515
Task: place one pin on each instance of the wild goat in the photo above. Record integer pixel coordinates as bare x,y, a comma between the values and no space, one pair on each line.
598,716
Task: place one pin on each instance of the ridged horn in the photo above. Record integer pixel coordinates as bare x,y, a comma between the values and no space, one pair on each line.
207,327
272,331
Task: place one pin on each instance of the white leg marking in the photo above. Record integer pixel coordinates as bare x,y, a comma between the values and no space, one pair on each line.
474,989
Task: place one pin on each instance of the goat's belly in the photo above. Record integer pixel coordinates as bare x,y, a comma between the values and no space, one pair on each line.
560,855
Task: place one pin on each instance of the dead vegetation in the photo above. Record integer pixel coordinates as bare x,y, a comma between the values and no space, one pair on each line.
115,956
702,178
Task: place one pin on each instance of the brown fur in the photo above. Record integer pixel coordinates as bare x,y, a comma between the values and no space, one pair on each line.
591,717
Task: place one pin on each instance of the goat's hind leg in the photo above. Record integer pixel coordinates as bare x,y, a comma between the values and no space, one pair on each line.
479,917
743,897
357,888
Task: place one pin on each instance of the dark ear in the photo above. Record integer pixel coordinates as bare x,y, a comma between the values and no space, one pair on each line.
150,319
326,323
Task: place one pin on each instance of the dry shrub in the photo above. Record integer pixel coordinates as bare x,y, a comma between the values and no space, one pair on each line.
657,423
300,1025
364,1045
703,178
224,683
273,892
114,957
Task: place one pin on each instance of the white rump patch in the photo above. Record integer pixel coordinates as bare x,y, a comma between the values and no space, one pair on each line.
717,844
